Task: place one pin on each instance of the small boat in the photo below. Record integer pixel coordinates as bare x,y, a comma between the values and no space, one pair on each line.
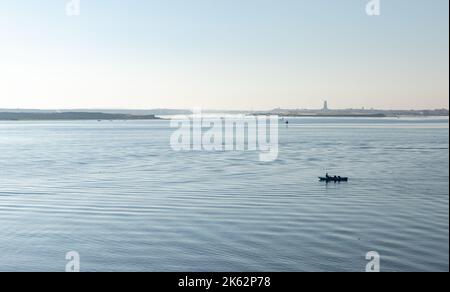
332,179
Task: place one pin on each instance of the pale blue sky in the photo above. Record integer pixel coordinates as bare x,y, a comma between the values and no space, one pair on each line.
236,54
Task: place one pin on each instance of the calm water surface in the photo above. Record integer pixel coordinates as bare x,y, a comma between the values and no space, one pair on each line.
116,193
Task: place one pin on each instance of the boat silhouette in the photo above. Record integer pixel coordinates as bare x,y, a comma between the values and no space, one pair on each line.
334,179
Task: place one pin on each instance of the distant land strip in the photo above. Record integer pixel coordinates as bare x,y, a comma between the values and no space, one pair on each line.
156,114
69,116
324,115
355,113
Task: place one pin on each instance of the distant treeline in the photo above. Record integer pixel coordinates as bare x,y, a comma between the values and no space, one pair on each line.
137,112
54,116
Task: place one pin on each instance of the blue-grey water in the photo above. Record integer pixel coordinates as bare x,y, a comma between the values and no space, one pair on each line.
120,196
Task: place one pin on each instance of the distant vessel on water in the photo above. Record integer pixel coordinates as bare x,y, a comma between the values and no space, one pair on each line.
335,178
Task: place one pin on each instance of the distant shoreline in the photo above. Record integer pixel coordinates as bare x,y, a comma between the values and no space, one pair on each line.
88,115
328,116
355,113
71,116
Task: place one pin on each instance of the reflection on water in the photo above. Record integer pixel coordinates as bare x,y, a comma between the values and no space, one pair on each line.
116,193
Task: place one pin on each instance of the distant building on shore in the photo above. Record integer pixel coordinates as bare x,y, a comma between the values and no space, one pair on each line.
325,106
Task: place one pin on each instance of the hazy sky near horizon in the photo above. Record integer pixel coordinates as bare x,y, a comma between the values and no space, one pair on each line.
224,54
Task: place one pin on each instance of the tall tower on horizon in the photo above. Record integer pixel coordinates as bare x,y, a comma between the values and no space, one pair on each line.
325,106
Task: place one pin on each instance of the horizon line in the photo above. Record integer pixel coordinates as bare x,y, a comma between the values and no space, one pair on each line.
218,109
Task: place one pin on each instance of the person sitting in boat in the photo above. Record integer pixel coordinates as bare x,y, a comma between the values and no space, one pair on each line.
327,176
335,178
